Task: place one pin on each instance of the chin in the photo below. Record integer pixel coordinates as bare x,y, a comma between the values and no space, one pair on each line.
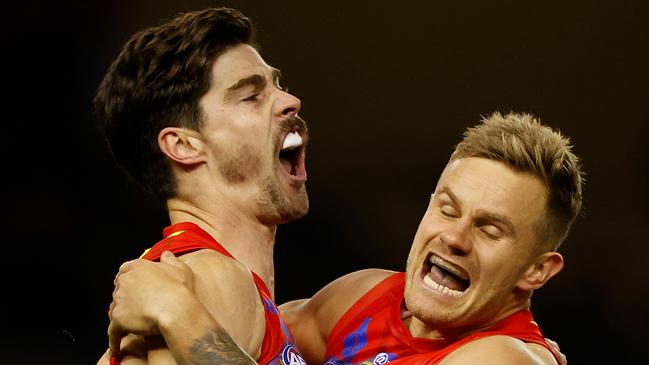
296,210
279,204
433,312
279,211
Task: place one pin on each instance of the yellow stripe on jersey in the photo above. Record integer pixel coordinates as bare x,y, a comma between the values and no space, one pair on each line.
145,252
175,233
171,235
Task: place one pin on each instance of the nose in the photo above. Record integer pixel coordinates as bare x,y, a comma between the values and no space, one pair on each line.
287,105
456,238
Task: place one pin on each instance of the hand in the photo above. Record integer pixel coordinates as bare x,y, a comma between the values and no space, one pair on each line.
555,349
145,292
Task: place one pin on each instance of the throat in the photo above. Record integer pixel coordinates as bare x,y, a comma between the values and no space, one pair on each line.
259,259
250,242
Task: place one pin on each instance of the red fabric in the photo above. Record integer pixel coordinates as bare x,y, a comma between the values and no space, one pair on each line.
114,361
182,238
371,331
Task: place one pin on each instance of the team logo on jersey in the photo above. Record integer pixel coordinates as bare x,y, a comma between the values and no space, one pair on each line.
291,356
381,358
355,341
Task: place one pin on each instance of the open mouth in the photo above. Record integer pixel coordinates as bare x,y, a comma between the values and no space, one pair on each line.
291,156
444,277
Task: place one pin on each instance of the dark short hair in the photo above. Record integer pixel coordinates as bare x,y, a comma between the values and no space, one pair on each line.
156,82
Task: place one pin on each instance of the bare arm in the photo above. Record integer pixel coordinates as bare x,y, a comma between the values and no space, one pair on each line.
166,305
312,320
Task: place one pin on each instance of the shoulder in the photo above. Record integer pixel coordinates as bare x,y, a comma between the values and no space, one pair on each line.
312,320
366,279
347,289
210,263
338,297
227,290
332,301
216,275
501,350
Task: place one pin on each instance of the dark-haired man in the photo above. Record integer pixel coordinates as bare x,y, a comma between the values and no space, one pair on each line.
194,114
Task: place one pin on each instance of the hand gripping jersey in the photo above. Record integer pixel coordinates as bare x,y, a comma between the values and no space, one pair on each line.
371,331
278,347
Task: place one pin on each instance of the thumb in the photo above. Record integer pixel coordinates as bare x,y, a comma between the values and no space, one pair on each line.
168,257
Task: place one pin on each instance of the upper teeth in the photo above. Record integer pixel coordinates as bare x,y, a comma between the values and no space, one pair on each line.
292,141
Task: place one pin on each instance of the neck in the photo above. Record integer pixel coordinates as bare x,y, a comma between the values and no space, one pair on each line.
244,237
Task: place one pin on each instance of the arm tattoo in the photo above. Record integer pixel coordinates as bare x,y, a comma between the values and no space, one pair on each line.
217,347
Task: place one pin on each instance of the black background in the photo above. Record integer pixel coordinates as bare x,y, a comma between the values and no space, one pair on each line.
387,88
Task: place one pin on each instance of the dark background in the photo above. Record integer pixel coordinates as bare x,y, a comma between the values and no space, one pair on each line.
387,88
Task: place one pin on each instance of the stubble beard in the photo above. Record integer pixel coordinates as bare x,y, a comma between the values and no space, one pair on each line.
241,166
276,207
273,203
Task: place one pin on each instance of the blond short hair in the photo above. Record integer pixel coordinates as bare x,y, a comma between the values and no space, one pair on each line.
524,144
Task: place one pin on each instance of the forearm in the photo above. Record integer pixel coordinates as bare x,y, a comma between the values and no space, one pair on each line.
196,338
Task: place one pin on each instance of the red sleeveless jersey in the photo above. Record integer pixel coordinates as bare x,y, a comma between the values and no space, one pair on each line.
278,346
371,331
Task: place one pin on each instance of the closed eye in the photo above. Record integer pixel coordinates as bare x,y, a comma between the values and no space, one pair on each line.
492,231
252,97
448,211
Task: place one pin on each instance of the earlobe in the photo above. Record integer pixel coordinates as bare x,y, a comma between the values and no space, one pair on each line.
545,266
181,145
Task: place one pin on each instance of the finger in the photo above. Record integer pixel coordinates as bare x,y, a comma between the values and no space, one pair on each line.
122,269
114,338
111,307
168,257
554,347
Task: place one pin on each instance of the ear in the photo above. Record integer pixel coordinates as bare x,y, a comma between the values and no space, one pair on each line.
182,145
545,266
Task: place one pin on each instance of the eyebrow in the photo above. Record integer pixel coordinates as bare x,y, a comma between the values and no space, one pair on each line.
257,81
482,214
446,190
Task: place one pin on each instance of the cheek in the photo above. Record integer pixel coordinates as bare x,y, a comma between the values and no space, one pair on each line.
413,257
427,228
417,245
240,164
502,266
495,260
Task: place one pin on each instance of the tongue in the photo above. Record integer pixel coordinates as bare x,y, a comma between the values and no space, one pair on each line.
444,278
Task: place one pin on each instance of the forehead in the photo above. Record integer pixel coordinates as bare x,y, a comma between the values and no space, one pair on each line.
236,63
481,184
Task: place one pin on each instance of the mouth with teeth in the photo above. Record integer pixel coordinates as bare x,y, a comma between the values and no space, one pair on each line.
444,277
291,156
